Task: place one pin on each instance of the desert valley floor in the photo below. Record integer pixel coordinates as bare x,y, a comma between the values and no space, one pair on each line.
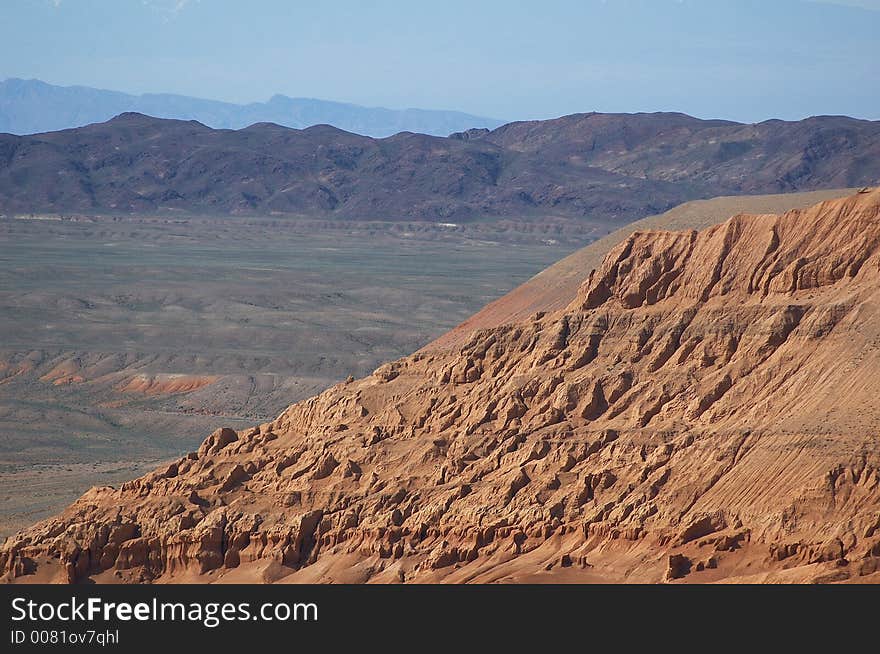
123,340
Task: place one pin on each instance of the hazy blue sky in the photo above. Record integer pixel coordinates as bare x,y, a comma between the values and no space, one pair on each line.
741,59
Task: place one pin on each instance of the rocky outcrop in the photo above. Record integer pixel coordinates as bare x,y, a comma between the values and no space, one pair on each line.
705,409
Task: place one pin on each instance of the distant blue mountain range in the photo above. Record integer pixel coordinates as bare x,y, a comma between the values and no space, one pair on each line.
32,106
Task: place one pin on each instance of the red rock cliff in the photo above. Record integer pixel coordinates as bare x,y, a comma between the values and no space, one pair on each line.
706,409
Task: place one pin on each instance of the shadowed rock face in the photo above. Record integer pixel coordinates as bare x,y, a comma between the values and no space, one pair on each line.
604,168
705,409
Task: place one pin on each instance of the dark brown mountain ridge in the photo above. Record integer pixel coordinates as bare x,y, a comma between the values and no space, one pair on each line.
603,168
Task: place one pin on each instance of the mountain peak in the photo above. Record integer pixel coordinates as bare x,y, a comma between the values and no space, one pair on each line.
137,118
133,116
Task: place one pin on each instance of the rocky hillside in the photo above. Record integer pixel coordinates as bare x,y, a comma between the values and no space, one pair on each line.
556,286
705,409
605,168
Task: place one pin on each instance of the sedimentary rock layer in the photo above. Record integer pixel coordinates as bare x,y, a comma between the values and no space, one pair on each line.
705,409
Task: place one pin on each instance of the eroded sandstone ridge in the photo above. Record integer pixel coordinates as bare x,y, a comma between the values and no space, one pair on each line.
706,409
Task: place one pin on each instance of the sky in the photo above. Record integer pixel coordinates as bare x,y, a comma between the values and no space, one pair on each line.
746,60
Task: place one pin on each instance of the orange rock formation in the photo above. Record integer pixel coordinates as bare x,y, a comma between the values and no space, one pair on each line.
704,410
